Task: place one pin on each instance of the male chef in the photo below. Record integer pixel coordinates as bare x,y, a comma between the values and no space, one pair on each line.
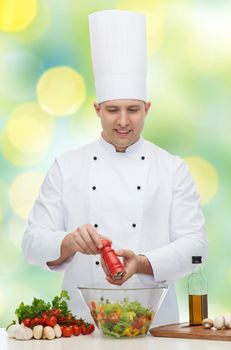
121,186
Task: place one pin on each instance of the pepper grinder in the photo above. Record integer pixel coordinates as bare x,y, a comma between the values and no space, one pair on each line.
112,262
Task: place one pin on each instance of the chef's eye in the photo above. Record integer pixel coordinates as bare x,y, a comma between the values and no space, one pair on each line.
112,110
133,110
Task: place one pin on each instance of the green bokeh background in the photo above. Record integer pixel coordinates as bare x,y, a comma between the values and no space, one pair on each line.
189,84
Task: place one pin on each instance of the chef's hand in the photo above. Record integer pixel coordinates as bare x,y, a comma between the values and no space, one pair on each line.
85,240
133,264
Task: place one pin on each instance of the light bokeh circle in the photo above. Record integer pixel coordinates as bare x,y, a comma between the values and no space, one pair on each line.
205,176
30,129
23,192
16,15
17,157
61,91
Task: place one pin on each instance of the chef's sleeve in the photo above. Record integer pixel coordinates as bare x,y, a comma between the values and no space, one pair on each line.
187,236
46,229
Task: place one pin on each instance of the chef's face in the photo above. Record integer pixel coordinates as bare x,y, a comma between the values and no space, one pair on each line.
122,121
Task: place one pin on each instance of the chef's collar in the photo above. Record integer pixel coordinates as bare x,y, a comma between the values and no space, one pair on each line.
130,149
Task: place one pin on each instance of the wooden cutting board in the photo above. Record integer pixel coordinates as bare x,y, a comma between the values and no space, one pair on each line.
183,330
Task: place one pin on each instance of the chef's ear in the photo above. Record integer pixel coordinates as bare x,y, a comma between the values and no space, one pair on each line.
147,106
97,107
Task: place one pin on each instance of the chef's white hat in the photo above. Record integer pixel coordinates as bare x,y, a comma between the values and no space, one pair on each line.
119,54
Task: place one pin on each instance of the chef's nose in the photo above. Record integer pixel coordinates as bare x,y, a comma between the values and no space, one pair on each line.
123,119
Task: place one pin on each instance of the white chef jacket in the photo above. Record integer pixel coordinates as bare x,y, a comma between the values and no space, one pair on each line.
143,199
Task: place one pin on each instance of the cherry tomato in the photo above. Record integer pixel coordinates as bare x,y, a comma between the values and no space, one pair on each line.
61,320
91,328
26,322
87,328
76,330
67,331
69,318
55,312
42,321
113,318
84,329
137,324
34,321
51,321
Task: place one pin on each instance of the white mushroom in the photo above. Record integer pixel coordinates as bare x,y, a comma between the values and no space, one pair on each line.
23,333
38,332
219,322
48,333
57,330
227,320
207,323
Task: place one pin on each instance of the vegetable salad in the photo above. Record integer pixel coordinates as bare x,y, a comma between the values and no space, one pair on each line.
127,319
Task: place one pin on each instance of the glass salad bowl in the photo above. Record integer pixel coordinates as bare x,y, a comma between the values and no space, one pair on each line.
123,312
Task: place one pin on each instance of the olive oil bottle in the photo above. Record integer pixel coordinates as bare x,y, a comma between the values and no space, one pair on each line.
197,293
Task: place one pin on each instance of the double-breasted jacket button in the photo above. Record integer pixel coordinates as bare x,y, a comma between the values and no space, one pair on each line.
143,157
97,262
133,225
138,187
95,158
95,225
94,188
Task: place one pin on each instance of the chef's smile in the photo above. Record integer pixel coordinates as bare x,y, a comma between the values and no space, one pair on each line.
122,133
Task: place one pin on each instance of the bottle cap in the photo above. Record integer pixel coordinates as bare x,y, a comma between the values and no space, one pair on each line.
196,260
